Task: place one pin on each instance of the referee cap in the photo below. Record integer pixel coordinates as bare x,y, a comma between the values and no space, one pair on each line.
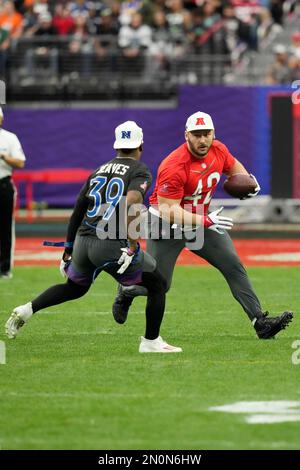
199,121
128,136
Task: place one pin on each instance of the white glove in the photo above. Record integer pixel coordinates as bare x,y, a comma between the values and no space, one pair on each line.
256,190
126,259
63,266
218,223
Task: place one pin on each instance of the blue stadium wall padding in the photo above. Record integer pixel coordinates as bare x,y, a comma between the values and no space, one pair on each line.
60,138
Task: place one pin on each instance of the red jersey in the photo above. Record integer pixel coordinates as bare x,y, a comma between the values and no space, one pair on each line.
193,180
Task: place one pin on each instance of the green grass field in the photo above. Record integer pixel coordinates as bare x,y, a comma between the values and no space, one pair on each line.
74,378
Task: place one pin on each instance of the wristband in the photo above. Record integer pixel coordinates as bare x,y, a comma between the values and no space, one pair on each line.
207,221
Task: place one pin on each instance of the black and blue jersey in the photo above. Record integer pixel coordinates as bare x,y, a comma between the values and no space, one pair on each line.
100,206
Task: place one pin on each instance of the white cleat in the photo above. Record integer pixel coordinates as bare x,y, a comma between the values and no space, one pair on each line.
18,319
6,276
13,325
157,345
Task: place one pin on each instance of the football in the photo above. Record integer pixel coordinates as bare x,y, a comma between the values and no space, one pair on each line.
239,185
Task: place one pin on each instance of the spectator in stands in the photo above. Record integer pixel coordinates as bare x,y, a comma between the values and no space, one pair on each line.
211,15
4,45
295,47
81,48
294,60
80,8
105,42
45,55
134,40
63,23
237,34
161,48
107,25
276,8
20,6
175,18
279,72
168,31
192,5
41,7
30,20
115,8
294,66
128,9
198,29
10,20
267,29
159,5
208,23
43,27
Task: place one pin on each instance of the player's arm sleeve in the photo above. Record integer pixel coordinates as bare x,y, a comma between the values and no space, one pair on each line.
16,150
79,210
141,180
170,183
229,159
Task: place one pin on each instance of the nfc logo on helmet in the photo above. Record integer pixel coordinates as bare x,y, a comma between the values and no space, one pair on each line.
200,122
126,134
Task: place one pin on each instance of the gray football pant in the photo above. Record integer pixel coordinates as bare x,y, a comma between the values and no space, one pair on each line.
219,251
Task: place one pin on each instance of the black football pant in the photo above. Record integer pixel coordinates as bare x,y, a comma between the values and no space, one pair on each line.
7,194
90,256
218,250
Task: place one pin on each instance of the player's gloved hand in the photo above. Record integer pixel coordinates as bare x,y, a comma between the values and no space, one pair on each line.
65,262
127,257
256,190
218,223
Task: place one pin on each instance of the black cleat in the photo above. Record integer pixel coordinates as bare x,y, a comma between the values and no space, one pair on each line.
121,306
267,328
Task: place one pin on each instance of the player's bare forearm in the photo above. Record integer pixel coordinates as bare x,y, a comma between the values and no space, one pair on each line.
132,241
134,201
13,162
238,167
75,221
171,211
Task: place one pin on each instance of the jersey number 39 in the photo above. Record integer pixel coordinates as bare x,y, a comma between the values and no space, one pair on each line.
113,194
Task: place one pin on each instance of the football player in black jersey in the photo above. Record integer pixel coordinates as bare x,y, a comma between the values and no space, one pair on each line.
99,239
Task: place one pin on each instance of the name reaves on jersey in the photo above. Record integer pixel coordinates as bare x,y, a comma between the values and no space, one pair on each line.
104,197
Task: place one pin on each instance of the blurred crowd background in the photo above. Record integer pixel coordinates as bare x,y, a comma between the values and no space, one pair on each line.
106,45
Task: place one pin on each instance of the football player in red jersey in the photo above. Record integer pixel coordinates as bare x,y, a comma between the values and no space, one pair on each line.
185,183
